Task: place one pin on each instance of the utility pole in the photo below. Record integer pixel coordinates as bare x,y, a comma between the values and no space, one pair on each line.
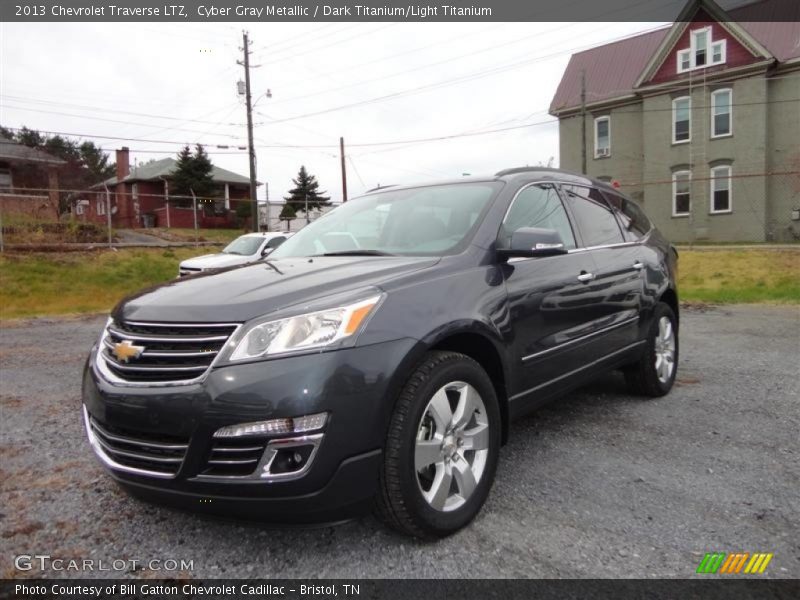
308,220
108,212
251,150
583,121
344,170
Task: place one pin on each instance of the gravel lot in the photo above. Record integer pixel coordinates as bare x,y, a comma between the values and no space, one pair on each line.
599,484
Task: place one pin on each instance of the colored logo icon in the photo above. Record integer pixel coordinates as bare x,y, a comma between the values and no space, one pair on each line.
734,563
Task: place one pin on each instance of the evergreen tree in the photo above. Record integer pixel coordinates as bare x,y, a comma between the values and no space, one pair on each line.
306,186
203,169
288,214
192,173
96,161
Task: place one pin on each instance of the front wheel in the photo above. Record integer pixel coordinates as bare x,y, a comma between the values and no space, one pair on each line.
654,373
442,448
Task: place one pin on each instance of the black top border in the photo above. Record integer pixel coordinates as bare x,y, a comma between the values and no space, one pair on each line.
254,11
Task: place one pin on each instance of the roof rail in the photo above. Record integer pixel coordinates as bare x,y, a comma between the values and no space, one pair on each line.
381,187
516,170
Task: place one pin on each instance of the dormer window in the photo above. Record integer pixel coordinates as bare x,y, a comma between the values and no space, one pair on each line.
700,47
702,51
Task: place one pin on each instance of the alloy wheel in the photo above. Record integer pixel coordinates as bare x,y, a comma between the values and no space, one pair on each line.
452,446
665,349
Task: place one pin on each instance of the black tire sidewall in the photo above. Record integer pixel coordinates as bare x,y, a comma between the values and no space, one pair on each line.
661,310
435,521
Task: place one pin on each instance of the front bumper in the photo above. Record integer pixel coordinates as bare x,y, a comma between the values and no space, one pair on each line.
354,386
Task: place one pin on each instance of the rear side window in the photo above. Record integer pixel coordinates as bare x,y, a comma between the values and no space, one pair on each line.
635,223
596,222
275,242
538,206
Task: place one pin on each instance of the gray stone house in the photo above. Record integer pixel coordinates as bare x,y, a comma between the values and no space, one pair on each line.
699,121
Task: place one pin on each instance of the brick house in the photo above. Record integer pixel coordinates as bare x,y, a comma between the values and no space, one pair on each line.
140,197
699,121
28,180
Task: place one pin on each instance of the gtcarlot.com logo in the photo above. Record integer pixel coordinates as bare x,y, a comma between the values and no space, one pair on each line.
734,563
45,562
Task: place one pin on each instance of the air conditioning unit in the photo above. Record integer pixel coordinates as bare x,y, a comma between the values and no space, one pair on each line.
602,152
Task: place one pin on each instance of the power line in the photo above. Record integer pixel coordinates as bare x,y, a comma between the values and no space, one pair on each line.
421,67
404,141
111,110
434,85
403,53
316,48
56,112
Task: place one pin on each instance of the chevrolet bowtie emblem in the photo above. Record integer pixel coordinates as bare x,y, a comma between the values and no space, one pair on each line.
125,350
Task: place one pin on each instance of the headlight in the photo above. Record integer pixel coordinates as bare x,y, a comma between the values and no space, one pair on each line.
311,330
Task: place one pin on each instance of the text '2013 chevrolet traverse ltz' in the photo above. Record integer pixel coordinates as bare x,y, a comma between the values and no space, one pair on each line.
376,358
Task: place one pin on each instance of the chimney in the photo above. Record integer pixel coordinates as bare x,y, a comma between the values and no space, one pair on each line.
123,166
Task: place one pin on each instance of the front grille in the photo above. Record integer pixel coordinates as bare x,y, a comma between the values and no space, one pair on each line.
162,454
183,271
172,352
234,457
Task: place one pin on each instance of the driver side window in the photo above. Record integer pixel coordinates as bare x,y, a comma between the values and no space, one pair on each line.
539,206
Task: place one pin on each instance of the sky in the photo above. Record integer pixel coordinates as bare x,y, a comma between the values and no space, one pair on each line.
375,84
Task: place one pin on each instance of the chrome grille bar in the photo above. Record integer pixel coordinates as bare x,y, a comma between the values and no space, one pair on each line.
124,335
165,354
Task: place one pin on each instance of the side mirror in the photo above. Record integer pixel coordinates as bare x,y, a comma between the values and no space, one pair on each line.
266,251
528,242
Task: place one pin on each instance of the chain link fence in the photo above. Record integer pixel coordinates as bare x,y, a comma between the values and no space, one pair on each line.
725,204
37,216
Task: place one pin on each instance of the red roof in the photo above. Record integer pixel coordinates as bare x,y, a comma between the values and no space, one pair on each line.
612,69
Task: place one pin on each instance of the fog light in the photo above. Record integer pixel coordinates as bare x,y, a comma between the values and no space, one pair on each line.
290,460
274,426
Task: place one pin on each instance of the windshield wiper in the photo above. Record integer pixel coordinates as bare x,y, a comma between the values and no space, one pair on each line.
357,253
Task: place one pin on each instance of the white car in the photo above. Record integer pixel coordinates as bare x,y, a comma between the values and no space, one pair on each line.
244,249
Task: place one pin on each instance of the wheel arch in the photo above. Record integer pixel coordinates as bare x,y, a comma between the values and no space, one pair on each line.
670,298
484,350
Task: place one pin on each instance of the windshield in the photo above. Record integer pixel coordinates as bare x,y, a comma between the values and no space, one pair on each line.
424,221
245,245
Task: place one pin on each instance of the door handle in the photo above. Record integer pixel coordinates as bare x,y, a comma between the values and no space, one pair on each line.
585,277
638,265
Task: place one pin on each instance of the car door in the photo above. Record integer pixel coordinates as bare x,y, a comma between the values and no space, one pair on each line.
552,299
618,267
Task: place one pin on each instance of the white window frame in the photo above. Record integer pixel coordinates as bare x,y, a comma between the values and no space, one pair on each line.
712,182
675,213
606,118
79,208
135,191
679,57
100,207
674,119
714,95
694,47
692,50
723,44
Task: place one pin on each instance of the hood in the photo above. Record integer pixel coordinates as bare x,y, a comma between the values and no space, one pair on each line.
241,293
216,261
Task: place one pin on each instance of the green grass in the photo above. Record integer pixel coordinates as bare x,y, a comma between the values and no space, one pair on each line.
88,282
81,282
726,276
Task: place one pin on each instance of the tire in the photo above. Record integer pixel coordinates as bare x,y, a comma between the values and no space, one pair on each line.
409,500
652,374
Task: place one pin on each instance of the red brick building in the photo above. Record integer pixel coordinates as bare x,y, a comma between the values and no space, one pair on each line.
140,197
28,180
